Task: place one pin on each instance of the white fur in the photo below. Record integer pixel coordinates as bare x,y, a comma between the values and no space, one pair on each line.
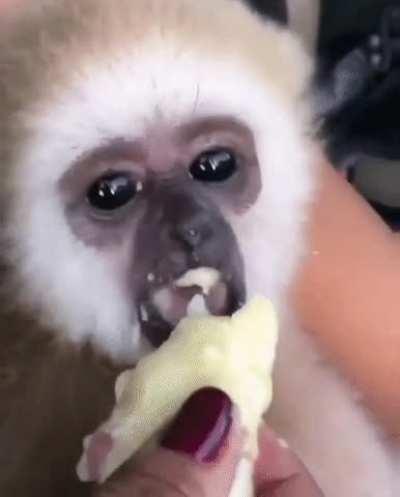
304,19
76,287
72,282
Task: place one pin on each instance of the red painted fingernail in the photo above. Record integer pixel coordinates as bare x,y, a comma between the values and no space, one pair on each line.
202,425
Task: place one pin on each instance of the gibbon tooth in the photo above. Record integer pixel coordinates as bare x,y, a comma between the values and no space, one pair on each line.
197,307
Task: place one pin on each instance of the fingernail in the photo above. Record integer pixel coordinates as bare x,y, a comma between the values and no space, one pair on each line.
98,448
202,426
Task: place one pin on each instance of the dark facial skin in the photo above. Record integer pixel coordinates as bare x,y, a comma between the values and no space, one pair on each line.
175,220
196,236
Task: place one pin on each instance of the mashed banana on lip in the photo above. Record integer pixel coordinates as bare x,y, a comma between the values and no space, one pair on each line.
235,354
172,307
204,277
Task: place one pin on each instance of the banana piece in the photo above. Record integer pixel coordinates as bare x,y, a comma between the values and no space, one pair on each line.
235,354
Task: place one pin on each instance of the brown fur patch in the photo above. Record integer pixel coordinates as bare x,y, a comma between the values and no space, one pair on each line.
51,396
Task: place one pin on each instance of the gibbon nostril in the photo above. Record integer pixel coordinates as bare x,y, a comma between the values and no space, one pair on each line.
191,236
194,232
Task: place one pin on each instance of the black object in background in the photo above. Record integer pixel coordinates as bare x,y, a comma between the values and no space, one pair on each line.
358,90
357,87
274,9
348,20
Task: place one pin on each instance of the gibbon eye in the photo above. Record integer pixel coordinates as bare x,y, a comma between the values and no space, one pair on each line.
214,166
112,191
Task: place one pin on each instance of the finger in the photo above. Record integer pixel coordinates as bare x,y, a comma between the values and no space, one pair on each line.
198,455
4,4
279,473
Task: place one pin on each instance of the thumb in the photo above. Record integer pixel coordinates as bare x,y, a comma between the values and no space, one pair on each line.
197,456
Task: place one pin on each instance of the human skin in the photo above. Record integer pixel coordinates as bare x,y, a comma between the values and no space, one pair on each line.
6,3
178,467
347,293
282,476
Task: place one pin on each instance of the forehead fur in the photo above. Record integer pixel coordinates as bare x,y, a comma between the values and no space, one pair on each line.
57,47
39,48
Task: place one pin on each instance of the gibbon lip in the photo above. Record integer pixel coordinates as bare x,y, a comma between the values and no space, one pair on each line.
163,306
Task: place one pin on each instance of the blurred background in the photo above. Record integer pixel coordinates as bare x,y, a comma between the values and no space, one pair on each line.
357,88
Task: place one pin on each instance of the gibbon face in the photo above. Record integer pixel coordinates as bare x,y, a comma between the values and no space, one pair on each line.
142,140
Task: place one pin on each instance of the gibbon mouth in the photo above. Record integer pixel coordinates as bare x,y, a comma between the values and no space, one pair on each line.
199,291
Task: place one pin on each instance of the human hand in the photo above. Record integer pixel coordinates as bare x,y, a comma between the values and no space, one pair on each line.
199,454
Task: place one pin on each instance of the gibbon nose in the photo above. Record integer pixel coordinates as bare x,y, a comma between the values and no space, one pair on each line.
195,230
